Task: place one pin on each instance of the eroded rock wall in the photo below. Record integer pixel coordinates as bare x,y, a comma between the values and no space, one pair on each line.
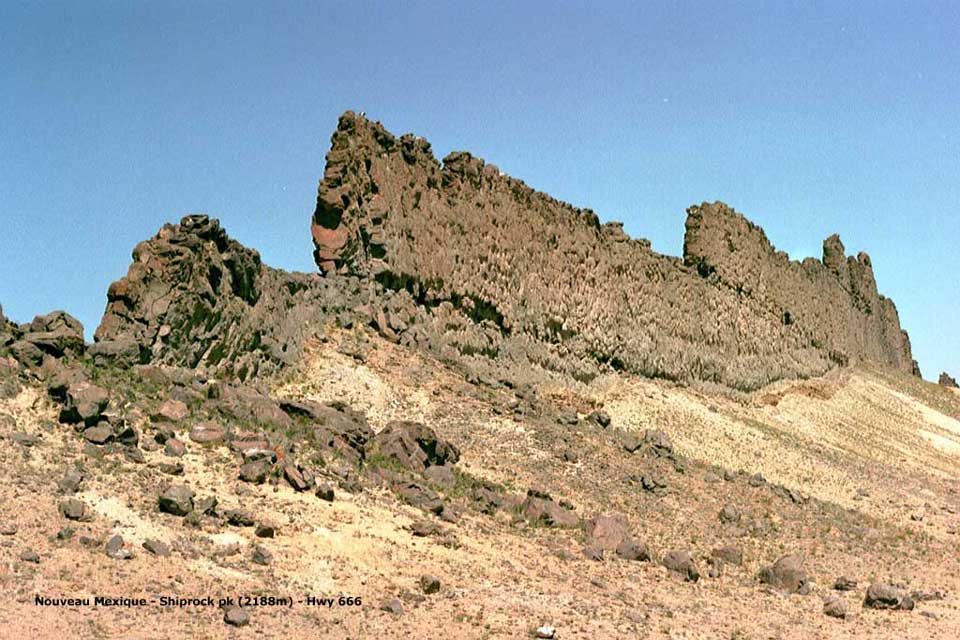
559,286
194,297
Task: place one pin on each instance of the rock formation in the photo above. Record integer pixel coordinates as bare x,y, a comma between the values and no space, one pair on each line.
557,286
194,297
947,380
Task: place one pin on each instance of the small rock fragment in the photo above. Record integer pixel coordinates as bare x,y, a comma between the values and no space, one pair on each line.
429,584
236,616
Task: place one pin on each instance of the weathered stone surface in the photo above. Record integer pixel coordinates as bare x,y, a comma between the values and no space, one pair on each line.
85,402
73,509
733,310
606,531
949,381
177,500
236,616
101,434
884,596
156,547
630,549
541,509
256,471
56,334
834,607
342,432
171,411
413,446
682,562
207,432
786,574
429,584
195,298
116,549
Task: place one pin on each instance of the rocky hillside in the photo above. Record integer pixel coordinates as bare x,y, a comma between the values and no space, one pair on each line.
488,416
573,294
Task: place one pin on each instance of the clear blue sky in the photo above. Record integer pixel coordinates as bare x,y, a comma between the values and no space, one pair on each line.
809,117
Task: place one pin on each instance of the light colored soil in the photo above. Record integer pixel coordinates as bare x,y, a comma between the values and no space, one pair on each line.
892,437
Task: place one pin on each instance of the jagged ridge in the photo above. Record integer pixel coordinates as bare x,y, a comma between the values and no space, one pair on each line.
733,310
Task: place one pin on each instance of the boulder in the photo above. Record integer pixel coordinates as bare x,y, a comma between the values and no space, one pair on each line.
606,531
73,509
417,495
100,434
57,334
116,549
540,508
681,562
156,547
600,418
337,429
630,549
295,477
85,403
171,411
123,352
208,432
885,596
429,584
177,500
786,574
256,471
413,446
659,443
261,555
730,514
834,607
235,616
174,448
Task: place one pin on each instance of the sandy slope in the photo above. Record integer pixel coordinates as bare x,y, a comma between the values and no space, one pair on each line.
892,437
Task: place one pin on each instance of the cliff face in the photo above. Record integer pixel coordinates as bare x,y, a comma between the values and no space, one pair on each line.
554,281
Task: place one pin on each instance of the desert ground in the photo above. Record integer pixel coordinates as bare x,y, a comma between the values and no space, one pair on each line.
855,473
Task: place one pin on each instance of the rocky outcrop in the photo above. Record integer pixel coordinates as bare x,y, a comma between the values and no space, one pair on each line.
547,281
55,335
947,380
193,297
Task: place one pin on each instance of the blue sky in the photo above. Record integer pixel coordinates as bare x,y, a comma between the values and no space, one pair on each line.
809,117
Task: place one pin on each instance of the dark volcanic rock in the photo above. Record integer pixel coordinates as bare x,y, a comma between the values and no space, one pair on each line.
116,549
540,508
885,596
156,547
85,402
682,562
195,298
460,231
429,584
56,334
413,446
659,443
948,381
177,500
786,574
256,471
